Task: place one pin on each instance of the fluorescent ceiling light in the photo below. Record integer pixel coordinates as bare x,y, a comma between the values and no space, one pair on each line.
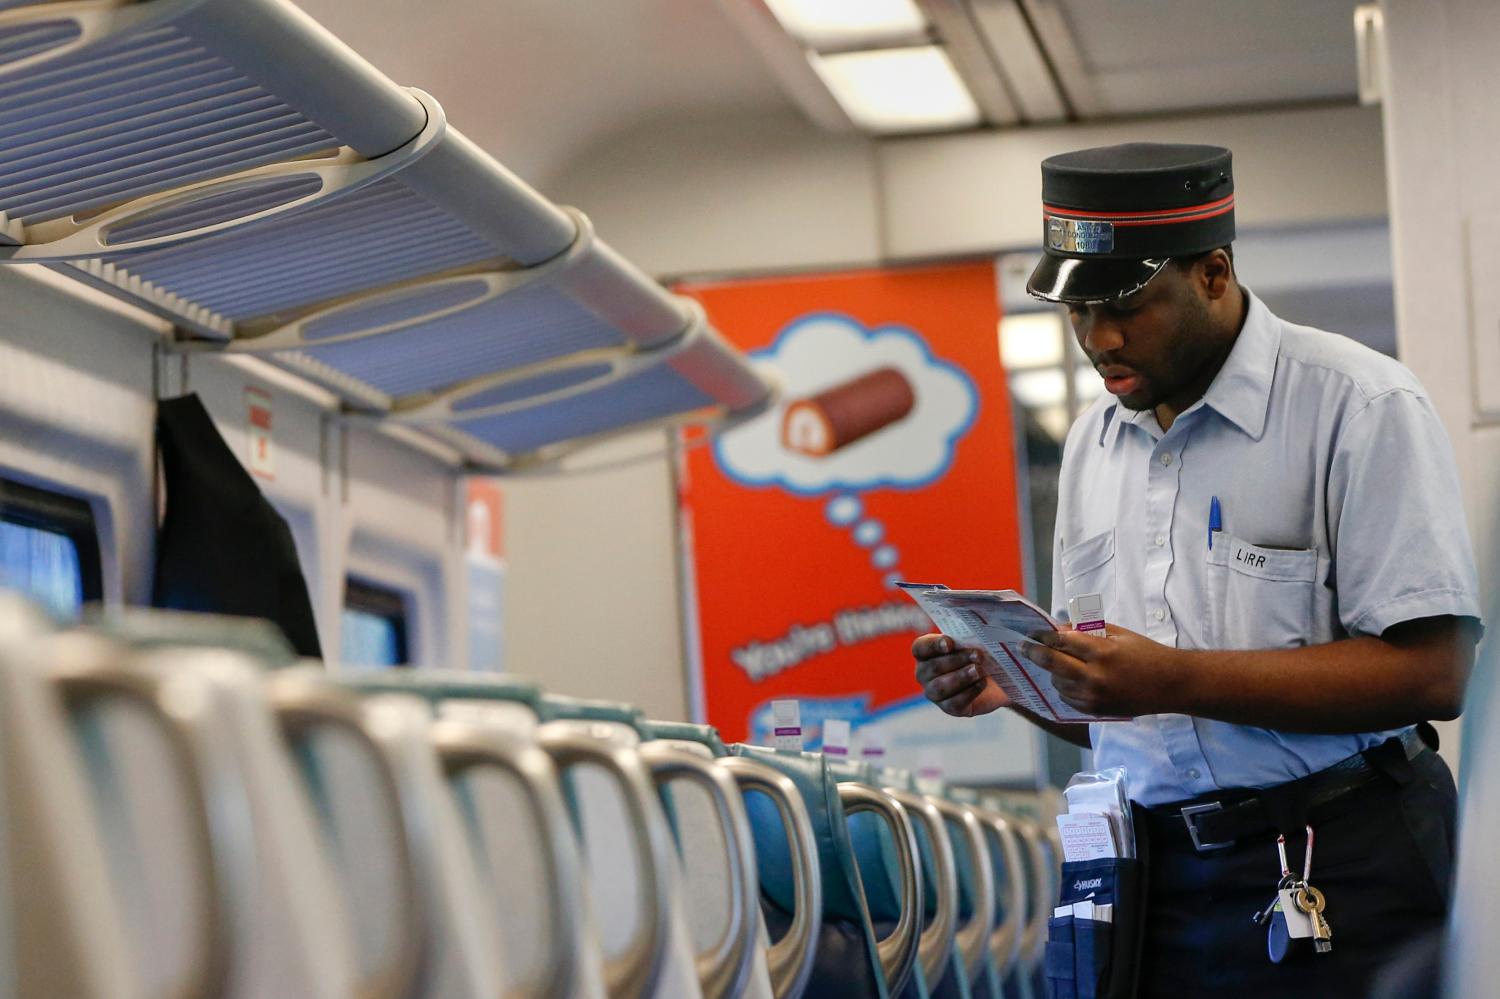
1040,389
1031,340
1054,420
1088,384
831,24
899,90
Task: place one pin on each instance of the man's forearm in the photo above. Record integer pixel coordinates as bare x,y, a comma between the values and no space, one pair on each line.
1354,685
1078,735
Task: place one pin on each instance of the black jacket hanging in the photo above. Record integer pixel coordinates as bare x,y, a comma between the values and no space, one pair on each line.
223,548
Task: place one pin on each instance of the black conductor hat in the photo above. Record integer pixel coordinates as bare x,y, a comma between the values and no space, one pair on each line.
1114,216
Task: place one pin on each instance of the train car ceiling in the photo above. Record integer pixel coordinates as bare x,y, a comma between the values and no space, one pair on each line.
1026,62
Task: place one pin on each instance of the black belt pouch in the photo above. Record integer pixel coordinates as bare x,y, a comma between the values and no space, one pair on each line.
1088,959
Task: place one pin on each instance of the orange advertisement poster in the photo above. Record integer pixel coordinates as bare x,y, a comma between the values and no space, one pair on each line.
890,456
484,570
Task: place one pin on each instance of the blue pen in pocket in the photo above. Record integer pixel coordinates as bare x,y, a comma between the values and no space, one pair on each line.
1215,521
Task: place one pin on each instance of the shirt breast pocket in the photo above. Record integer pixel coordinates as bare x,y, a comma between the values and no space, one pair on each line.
1089,567
1258,597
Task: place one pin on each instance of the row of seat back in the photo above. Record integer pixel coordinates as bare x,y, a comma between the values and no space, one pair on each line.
1039,851
181,821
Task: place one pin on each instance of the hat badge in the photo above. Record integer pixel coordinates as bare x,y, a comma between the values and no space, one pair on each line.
1079,235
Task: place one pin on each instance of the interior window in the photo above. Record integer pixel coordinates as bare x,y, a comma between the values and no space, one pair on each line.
49,548
373,630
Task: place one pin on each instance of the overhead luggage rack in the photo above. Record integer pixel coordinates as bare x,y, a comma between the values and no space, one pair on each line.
701,382
449,212
436,334
106,105
231,166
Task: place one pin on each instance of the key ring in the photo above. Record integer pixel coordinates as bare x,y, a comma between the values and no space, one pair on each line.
1310,899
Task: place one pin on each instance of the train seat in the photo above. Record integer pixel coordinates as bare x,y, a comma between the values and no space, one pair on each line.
1041,864
601,812
966,960
1010,899
874,847
779,969
412,876
976,899
63,922
269,912
528,874
849,961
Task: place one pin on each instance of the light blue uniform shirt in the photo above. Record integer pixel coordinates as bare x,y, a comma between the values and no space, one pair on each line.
1341,516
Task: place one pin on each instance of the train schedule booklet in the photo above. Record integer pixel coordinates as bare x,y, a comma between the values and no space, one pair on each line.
996,623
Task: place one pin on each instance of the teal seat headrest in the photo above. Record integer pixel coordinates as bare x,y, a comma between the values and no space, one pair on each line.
443,685
553,707
705,735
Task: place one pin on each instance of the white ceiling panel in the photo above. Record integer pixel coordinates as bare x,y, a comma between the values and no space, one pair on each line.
1153,56
538,82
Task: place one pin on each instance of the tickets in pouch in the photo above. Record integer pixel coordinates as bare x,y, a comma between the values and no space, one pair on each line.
1087,836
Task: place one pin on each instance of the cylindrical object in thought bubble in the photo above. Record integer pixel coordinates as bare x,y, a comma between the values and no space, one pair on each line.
837,417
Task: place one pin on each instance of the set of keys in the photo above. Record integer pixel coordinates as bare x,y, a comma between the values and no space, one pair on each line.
1296,913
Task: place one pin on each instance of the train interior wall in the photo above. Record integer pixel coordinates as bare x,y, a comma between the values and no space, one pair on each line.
1375,222
593,601
598,616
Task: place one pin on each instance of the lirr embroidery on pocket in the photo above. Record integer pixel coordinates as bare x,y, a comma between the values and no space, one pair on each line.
1247,559
1284,564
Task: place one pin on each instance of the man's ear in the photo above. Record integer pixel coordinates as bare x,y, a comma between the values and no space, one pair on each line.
1215,274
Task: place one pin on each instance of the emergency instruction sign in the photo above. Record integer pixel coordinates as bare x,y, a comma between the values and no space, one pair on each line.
261,460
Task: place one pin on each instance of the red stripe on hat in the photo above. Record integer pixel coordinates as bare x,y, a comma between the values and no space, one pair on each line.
1172,220
1170,214
1182,218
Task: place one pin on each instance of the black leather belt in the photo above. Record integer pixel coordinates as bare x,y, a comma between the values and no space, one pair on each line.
1219,820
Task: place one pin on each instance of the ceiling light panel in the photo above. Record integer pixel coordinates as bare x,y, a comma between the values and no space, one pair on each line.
1031,340
1015,50
1040,389
839,24
899,90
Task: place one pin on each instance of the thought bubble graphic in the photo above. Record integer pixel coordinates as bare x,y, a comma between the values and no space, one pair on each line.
847,511
868,408
844,510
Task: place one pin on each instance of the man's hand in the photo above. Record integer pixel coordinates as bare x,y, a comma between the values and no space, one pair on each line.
1121,674
952,679
1414,671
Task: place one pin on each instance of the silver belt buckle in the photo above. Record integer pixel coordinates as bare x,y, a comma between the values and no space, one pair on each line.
1188,814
